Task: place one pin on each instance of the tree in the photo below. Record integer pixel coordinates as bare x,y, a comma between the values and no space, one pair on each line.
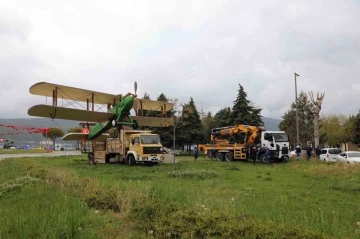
356,132
243,112
288,123
164,132
331,130
316,102
75,130
348,129
191,127
208,123
53,133
222,117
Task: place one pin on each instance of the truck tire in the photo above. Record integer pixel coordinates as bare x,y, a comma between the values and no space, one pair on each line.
262,158
229,157
91,158
131,160
219,156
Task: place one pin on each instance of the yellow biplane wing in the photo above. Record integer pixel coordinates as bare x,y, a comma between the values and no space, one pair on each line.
76,94
57,112
82,136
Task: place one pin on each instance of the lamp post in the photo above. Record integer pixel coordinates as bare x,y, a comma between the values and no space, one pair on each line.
296,107
173,112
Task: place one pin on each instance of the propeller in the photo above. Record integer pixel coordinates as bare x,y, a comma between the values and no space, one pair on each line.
135,95
135,88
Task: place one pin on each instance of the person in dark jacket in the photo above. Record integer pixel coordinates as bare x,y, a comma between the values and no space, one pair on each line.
318,152
253,152
298,152
308,151
196,153
267,155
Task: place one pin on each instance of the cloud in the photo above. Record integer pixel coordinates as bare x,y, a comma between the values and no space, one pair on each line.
202,49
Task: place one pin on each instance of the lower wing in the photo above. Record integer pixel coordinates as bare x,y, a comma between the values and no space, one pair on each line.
84,136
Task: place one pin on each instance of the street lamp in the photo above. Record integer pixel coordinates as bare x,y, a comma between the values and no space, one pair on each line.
296,107
173,113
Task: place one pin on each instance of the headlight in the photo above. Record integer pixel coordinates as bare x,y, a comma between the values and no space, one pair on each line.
161,149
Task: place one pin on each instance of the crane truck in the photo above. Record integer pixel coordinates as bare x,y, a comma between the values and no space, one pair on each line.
235,142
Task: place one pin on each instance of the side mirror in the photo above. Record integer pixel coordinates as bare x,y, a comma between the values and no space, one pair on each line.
132,141
272,144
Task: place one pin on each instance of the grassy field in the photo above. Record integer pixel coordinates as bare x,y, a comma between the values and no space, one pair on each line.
22,151
64,197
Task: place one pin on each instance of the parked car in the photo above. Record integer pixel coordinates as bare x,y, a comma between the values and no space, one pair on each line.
330,154
292,154
349,157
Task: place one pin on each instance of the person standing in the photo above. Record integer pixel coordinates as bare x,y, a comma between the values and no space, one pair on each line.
318,152
298,151
253,152
308,151
267,155
196,153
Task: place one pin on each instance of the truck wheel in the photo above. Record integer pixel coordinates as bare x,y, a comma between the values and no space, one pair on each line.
131,160
91,158
262,158
229,156
219,156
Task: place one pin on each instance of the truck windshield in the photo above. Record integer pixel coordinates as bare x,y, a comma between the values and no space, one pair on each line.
280,137
150,139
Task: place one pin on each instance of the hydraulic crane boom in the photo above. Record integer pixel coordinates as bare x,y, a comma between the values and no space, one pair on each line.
241,134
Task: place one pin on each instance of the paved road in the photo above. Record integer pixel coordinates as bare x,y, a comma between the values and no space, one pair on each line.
52,154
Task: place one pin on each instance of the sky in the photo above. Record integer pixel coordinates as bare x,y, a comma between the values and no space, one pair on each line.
188,48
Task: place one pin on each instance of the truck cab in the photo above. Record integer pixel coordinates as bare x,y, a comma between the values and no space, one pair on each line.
277,142
146,148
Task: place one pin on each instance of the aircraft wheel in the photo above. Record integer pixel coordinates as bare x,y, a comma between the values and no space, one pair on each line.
91,158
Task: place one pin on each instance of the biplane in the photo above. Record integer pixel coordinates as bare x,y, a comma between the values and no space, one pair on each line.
118,110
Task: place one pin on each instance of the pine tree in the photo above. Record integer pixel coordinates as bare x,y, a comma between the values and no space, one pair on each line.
306,127
164,132
191,128
243,112
208,123
222,117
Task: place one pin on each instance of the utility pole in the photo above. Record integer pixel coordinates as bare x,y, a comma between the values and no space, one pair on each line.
297,118
174,133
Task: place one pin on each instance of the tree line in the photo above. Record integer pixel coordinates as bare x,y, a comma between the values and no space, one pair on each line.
334,129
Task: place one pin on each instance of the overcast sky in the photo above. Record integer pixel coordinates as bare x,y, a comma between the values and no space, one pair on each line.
184,48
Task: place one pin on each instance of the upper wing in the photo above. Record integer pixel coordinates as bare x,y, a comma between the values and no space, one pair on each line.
81,136
146,104
72,93
58,112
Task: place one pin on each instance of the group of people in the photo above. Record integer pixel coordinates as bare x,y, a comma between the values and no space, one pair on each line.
309,150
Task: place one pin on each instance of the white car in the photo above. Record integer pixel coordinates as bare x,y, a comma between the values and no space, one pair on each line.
330,154
349,157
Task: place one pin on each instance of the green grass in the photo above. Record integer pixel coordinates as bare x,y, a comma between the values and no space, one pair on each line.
189,199
22,151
